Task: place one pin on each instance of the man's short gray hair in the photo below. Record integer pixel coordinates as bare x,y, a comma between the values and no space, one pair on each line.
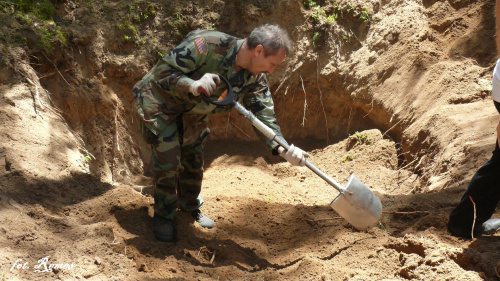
271,37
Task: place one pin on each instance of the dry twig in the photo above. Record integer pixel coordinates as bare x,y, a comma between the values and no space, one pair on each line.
37,96
321,101
227,123
370,109
305,101
404,167
325,219
474,222
391,127
213,257
385,212
406,213
56,69
240,130
349,120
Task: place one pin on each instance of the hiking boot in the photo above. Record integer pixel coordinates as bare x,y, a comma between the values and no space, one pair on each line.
490,226
163,229
202,219
459,231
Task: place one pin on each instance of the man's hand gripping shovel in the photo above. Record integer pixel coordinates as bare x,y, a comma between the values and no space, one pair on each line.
356,203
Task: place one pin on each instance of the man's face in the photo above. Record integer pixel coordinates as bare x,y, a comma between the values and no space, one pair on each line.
262,64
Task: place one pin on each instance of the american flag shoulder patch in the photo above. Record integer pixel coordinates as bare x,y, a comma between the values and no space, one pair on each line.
201,46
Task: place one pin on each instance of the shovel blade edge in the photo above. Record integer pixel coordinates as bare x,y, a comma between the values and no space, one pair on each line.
358,205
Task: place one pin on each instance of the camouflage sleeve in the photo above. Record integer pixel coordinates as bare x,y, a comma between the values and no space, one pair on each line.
260,102
171,71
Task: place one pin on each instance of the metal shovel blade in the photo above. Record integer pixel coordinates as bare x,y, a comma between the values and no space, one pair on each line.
358,205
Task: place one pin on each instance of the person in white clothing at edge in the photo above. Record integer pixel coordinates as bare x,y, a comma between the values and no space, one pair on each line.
484,187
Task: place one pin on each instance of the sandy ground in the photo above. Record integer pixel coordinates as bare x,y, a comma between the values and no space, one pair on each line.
273,222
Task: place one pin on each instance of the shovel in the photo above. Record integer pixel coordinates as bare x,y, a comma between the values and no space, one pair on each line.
356,203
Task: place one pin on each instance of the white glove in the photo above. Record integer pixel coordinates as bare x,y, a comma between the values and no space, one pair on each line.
294,155
207,84
495,91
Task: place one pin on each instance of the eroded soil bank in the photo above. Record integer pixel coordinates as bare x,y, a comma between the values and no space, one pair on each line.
396,92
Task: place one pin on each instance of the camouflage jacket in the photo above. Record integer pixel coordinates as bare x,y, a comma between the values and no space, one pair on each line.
163,93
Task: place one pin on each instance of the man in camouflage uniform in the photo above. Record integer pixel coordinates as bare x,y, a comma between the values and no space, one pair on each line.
174,118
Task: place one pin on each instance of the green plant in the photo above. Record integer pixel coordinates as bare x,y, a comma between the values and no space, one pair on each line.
309,3
20,38
23,18
270,197
61,37
318,14
348,157
140,11
363,138
43,9
347,37
382,227
356,9
161,54
87,159
364,16
331,18
5,4
181,25
131,27
315,39
46,39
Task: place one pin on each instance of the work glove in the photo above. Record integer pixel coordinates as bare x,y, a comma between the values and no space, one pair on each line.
294,155
495,91
207,84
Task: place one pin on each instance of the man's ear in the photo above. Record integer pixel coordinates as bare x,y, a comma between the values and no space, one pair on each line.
259,50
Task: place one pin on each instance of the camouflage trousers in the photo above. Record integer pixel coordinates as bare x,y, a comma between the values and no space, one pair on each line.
177,153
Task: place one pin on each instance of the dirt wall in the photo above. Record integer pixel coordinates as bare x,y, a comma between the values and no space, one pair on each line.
411,71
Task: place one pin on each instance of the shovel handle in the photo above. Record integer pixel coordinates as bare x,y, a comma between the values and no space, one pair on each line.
272,135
